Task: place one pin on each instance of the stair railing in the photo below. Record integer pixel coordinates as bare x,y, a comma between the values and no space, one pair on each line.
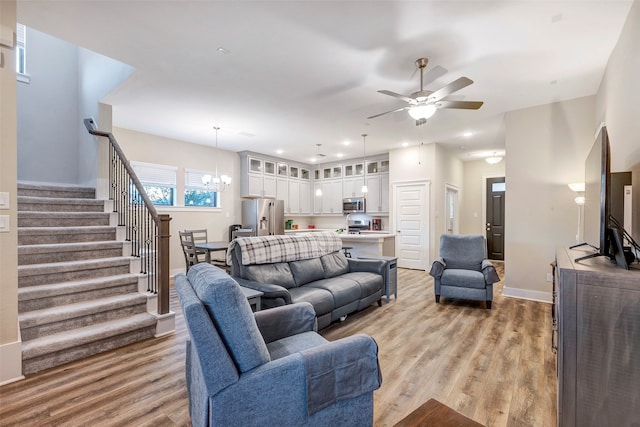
146,230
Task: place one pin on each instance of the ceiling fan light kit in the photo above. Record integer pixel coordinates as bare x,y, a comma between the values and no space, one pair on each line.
422,111
424,103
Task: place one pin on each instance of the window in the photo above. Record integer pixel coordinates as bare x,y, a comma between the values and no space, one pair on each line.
21,64
159,182
196,193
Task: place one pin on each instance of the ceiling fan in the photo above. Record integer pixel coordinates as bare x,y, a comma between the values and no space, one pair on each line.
424,103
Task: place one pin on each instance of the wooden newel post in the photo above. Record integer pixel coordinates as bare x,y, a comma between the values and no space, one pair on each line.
163,263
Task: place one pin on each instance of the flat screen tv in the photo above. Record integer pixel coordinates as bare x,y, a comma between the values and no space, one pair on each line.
599,232
596,193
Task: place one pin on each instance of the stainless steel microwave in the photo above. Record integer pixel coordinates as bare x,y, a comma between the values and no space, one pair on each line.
353,205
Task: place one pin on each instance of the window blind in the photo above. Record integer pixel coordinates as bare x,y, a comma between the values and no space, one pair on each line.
155,174
193,178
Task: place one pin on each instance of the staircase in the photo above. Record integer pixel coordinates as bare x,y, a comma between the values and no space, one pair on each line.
77,295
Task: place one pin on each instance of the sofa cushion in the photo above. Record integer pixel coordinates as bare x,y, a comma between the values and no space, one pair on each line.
230,311
277,274
307,270
344,291
320,299
462,278
370,283
334,264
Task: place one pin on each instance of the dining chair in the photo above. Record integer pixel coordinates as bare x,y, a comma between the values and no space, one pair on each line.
192,256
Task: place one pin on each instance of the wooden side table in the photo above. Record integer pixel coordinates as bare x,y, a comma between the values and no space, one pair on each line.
254,297
390,276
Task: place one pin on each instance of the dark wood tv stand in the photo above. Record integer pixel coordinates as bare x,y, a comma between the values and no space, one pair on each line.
598,338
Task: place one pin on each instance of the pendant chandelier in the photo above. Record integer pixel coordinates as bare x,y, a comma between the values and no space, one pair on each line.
217,183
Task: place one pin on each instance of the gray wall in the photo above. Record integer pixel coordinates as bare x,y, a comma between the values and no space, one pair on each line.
48,112
67,83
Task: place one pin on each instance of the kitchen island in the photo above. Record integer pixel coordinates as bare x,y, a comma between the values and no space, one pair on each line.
370,244
366,244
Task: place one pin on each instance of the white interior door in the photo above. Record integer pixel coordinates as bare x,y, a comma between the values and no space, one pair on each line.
411,210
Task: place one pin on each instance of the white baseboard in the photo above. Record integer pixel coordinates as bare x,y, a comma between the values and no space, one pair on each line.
527,294
11,362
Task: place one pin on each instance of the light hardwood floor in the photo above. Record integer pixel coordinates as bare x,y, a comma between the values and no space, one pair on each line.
495,366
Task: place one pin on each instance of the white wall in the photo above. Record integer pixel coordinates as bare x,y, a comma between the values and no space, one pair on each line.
439,167
10,344
97,76
547,146
472,205
617,105
143,147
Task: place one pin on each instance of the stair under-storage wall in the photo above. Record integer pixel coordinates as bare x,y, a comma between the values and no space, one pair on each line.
77,286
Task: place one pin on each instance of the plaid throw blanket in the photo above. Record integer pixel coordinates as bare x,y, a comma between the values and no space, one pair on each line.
270,249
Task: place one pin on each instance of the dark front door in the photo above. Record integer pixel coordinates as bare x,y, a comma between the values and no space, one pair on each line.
495,218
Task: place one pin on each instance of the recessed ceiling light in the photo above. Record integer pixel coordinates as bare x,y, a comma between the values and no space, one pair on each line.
340,154
467,134
313,160
279,151
405,144
347,142
223,50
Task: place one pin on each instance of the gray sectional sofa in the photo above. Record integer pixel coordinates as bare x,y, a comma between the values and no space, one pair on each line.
308,267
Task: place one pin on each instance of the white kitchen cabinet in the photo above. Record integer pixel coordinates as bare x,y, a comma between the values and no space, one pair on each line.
282,192
352,187
294,197
332,197
305,197
378,195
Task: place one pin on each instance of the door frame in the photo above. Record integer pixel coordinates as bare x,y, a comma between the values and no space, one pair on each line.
456,221
484,207
427,217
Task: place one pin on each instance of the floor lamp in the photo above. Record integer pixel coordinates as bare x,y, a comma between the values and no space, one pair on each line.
578,188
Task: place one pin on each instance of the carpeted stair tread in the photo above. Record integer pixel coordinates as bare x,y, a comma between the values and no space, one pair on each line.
61,252
50,235
86,335
59,219
66,230
69,311
54,204
56,267
43,190
72,246
75,286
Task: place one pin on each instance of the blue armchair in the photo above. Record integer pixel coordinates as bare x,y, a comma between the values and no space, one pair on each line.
462,270
269,367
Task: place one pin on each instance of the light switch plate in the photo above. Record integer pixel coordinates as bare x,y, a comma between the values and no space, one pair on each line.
4,200
7,36
4,224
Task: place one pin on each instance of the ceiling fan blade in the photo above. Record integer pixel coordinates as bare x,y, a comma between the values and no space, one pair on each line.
387,112
434,74
454,86
465,105
397,95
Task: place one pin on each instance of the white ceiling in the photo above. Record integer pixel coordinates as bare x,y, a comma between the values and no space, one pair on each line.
301,73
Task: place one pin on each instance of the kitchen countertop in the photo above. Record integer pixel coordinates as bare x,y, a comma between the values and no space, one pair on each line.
365,235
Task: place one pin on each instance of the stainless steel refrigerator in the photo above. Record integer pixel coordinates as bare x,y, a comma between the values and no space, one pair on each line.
264,216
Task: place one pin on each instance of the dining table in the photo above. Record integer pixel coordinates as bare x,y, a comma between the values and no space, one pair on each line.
208,247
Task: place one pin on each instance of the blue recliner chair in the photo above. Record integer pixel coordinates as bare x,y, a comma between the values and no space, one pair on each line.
269,367
462,270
